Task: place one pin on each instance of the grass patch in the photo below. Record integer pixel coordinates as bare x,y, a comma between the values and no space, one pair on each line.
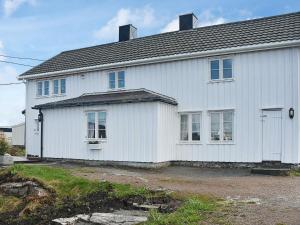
59,179
9,203
191,212
295,172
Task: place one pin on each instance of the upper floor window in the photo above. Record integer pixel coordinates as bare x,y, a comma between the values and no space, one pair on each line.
51,87
221,126
39,88
190,124
116,79
46,87
59,86
96,125
221,69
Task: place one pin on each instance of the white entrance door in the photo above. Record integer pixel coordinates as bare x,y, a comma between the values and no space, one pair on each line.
272,135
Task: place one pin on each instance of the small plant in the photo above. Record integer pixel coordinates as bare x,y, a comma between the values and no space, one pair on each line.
3,146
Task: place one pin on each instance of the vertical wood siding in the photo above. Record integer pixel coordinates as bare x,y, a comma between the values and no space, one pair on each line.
261,80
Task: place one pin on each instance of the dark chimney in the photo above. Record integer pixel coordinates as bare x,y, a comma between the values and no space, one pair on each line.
187,21
127,32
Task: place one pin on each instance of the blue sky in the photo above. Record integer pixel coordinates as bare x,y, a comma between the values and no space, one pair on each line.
41,29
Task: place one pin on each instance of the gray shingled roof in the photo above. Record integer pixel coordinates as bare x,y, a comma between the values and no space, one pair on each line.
107,98
251,32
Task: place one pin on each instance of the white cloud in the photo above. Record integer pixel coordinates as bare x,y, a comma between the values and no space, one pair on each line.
10,6
206,18
140,17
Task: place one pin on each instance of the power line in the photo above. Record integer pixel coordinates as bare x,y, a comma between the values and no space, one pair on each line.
11,83
20,64
16,57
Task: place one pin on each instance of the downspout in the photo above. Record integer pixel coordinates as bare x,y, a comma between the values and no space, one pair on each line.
41,120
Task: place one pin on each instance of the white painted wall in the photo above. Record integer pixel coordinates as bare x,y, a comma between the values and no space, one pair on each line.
18,134
261,80
131,132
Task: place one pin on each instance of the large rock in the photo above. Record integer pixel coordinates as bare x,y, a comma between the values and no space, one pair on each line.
23,189
6,160
126,218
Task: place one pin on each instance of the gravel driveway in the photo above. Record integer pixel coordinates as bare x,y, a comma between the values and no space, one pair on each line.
276,200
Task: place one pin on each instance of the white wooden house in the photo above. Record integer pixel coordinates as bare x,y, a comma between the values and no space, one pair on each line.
225,93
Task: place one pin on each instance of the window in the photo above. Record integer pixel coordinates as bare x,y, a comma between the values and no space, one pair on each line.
221,69
190,125
91,125
102,124
116,82
46,87
39,88
184,127
96,120
221,126
63,86
55,87
121,79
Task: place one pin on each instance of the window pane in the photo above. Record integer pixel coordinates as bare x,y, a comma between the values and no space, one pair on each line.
40,88
215,74
214,65
55,87
184,127
46,87
121,79
215,126
227,126
227,63
91,124
112,81
227,68
196,127
102,124
63,86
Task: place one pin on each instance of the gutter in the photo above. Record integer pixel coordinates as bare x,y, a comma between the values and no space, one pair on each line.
41,120
185,56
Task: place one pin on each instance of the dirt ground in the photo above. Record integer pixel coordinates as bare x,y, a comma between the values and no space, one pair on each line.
256,199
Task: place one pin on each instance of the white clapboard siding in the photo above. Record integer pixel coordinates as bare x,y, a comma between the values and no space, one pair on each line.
265,79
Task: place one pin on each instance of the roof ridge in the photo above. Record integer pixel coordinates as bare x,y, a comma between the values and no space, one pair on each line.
185,31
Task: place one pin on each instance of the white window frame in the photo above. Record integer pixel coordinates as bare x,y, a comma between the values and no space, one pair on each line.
221,141
221,75
96,125
59,87
190,128
116,72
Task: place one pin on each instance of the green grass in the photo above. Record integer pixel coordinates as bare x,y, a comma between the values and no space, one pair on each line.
295,172
59,179
191,212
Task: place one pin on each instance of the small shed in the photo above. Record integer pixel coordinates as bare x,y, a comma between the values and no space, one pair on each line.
18,135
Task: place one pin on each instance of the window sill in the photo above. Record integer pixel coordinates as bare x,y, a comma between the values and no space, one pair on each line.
221,81
96,140
221,143
50,96
189,143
